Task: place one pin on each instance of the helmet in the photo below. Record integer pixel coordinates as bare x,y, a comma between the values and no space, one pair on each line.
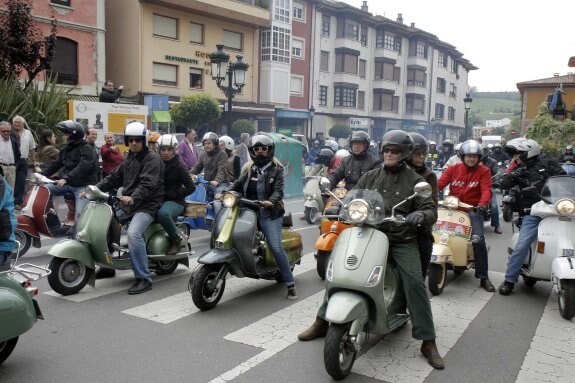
489,146
261,140
497,147
331,144
458,147
324,156
470,147
569,148
513,146
532,150
447,143
432,143
360,136
136,129
419,142
74,129
166,140
228,142
154,137
212,137
398,137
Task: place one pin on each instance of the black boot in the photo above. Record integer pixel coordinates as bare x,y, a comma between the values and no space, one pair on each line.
175,245
506,288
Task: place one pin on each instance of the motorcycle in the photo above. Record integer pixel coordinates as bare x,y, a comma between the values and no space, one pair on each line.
98,242
18,308
363,287
239,248
38,216
552,255
200,212
453,243
569,168
313,199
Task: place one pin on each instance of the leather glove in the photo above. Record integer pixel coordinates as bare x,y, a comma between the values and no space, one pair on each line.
482,209
415,218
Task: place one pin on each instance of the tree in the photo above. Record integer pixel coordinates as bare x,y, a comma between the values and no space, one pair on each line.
340,131
553,135
243,126
195,110
23,47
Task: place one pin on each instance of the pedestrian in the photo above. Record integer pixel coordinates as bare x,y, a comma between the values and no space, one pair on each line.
242,149
47,149
188,151
111,155
109,94
27,155
7,224
9,153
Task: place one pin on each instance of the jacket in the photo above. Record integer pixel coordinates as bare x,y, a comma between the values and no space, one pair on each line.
188,158
178,183
233,168
79,163
274,186
395,186
110,159
7,209
110,96
142,177
470,185
352,169
213,164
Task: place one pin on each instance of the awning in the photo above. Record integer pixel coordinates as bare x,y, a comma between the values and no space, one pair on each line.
292,113
161,116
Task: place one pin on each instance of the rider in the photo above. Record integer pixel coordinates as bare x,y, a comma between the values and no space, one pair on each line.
355,165
395,181
568,155
432,160
470,181
214,163
78,165
310,158
178,184
141,175
153,141
531,171
233,168
7,224
446,152
322,163
416,161
498,154
454,159
262,179
493,206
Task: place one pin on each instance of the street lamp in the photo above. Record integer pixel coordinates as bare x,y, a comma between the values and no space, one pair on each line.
235,72
467,101
311,113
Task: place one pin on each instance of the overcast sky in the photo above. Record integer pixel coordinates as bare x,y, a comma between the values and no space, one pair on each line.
509,41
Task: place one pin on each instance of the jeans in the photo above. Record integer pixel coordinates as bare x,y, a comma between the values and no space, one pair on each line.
479,248
56,190
272,229
494,209
138,254
20,184
527,235
166,215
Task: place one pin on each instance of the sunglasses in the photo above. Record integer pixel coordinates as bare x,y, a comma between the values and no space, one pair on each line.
419,153
134,139
261,149
395,152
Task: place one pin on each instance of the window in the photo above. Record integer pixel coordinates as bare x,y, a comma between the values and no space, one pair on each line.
348,29
386,71
345,97
360,100
296,86
196,78
297,48
165,74
324,61
196,33
385,102
165,26
65,61
61,2
417,49
298,11
345,63
276,44
325,24
454,66
362,64
414,105
233,40
388,41
439,111
451,114
442,59
452,90
416,77
282,10
323,95
441,85
364,36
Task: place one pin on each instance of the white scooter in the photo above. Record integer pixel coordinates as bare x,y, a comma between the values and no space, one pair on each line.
552,256
313,200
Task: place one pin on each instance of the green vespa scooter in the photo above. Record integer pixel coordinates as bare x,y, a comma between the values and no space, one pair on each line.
18,308
97,242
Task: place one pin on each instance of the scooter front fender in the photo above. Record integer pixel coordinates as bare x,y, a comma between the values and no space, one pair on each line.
326,242
73,249
563,268
311,203
345,307
229,256
441,254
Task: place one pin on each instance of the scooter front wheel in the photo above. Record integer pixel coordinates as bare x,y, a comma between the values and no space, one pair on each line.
338,352
6,348
567,299
311,215
206,288
322,258
68,276
436,280
25,241
507,213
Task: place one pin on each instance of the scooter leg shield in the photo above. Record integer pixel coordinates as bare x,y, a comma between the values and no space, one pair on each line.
345,307
73,249
229,256
563,268
440,253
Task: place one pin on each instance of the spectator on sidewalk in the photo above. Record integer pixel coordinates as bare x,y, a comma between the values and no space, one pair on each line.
27,155
109,93
9,152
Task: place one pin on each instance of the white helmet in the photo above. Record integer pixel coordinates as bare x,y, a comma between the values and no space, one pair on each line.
136,129
457,147
168,140
228,142
331,144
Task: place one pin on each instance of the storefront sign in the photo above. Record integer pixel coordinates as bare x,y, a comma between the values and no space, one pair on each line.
359,122
181,59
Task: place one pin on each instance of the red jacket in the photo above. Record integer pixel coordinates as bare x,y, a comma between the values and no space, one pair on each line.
470,185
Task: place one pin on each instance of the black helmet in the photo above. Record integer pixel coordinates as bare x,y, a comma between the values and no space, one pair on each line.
324,156
447,143
398,137
74,129
419,142
212,137
362,137
260,140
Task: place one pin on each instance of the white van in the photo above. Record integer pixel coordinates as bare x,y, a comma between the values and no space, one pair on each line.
486,140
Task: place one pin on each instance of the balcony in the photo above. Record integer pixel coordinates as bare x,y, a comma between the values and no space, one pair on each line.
417,61
344,42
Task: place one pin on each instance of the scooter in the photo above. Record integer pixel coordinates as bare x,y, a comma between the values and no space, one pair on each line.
239,248
552,256
97,242
313,199
38,216
453,243
363,287
18,308
200,212
569,168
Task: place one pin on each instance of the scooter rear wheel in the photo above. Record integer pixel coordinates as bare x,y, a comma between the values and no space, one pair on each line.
338,352
6,348
24,239
68,276
436,280
566,299
206,290
165,267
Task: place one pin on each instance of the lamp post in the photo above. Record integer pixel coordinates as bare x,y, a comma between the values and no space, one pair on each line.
467,101
311,113
235,72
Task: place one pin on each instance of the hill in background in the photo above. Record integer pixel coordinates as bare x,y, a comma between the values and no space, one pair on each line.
494,106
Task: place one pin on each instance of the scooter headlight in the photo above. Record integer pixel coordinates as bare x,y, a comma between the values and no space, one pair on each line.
451,202
229,200
329,272
565,207
374,277
358,210
444,239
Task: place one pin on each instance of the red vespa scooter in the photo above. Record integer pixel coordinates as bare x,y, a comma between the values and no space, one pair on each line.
38,216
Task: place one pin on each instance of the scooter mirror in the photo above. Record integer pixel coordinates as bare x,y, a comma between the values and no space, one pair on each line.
422,189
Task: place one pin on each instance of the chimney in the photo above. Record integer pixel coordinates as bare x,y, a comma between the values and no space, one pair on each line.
364,6
399,18
413,25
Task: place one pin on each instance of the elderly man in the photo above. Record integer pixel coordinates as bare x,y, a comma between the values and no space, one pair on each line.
9,152
28,153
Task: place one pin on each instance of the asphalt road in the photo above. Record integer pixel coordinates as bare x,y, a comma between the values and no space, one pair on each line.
106,335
